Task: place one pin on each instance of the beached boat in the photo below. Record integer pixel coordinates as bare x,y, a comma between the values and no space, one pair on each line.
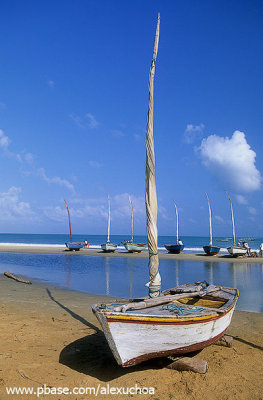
72,245
178,247
235,250
183,319
129,245
109,247
210,250
175,321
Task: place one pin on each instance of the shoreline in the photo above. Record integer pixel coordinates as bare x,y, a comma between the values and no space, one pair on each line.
49,336
123,253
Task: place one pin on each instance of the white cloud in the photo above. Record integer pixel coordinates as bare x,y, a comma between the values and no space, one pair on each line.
193,133
11,207
92,122
56,180
29,158
95,164
77,120
241,199
88,121
4,140
231,161
98,207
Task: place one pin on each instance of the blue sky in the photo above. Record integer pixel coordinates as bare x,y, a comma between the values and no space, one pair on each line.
73,109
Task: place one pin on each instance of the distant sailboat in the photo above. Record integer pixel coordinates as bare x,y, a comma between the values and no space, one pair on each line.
72,245
109,247
235,251
175,248
210,250
128,244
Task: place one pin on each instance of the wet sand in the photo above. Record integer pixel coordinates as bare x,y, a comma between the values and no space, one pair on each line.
49,336
124,253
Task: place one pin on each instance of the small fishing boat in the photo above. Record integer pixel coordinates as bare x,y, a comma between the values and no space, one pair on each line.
235,250
210,250
128,244
72,245
174,321
183,319
223,240
178,247
109,247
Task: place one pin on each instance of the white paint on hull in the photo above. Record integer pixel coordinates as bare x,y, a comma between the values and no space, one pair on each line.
137,339
109,247
236,251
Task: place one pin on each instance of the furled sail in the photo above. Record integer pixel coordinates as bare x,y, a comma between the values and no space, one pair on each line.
150,188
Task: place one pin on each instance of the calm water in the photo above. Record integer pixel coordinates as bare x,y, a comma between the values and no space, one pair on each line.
122,277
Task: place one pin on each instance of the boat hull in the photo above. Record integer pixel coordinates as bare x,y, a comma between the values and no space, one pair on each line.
211,250
174,248
134,247
74,245
236,251
109,247
157,334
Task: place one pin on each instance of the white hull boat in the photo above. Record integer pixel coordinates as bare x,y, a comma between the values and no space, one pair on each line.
190,323
134,247
237,251
109,247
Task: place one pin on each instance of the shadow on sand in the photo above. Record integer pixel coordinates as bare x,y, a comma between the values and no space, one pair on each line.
92,356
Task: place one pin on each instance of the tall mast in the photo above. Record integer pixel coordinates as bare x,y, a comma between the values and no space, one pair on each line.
150,188
210,221
130,200
108,240
69,221
177,230
233,221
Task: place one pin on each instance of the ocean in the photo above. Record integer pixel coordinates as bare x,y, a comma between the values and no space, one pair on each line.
126,277
193,244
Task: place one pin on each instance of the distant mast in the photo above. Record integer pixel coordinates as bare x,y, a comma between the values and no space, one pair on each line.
177,223
130,200
210,221
233,221
69,221
108,240
150,187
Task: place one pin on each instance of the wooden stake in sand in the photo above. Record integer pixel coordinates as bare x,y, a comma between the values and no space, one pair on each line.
16,278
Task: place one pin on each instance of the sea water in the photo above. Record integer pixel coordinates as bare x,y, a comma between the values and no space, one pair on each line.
125,277
193,244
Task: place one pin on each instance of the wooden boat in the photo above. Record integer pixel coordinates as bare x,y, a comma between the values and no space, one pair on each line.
235,251
178,247
175,321
109,247
210,250
183,319
128,244
72,245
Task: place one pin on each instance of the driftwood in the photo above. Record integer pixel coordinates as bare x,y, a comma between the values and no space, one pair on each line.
189,364
226,341
163,300
16,278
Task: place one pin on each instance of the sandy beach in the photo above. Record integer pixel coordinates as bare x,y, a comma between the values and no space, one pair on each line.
50,338
123,253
